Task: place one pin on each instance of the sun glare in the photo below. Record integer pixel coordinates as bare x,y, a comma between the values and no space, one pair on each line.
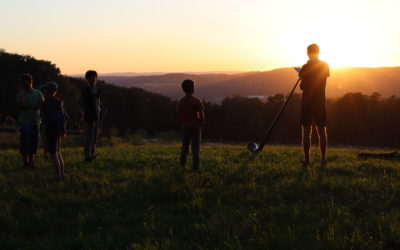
350,48
345,38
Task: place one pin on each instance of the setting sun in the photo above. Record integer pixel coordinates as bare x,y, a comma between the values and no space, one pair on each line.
347,36
349,39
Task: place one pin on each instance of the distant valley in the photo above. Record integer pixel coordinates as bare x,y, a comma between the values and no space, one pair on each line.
215,86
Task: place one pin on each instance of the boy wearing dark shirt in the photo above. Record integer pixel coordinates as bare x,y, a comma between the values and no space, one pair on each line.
54,118
313,83
191,115
92,111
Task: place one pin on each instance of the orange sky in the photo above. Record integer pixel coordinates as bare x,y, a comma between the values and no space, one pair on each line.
183,35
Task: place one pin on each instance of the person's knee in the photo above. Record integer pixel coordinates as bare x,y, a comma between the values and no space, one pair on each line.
322,134
321,131
306,130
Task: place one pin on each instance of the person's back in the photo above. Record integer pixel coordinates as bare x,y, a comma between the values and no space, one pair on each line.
55,119
313,81
191,114
91,103
189,109
55,116
30,97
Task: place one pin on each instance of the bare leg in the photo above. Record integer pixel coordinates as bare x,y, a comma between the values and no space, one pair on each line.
25,159
31,159
323,140
306,141
60,159
56,165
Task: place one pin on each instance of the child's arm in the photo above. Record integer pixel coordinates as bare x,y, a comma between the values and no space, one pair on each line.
202,118
179,111
201,113
300,76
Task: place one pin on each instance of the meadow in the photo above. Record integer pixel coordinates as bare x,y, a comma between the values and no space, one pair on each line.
137,197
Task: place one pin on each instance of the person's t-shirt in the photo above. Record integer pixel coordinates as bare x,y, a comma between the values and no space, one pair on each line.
54,117
32,97
313,81
189,108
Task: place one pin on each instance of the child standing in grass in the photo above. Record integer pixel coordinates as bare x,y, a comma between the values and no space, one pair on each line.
92,113
191,115
54,117
30,101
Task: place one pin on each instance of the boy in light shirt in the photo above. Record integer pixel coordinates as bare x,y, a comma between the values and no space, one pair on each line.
29,101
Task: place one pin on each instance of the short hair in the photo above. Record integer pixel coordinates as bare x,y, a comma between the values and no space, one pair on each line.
90,73
50,86
313,49
187,85
26,77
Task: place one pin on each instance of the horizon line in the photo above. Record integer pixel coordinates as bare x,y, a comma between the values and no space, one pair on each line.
215,72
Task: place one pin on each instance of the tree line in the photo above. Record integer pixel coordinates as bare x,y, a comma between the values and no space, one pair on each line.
353,119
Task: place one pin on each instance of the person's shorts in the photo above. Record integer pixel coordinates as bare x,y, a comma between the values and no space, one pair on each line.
29,139
53,144
313,113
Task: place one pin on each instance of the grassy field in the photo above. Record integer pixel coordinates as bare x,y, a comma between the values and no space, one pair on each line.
137,197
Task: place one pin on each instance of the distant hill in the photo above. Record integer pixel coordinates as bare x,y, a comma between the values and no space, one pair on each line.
132,74
215,87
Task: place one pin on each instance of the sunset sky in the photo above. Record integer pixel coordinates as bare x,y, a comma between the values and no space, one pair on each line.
206,35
